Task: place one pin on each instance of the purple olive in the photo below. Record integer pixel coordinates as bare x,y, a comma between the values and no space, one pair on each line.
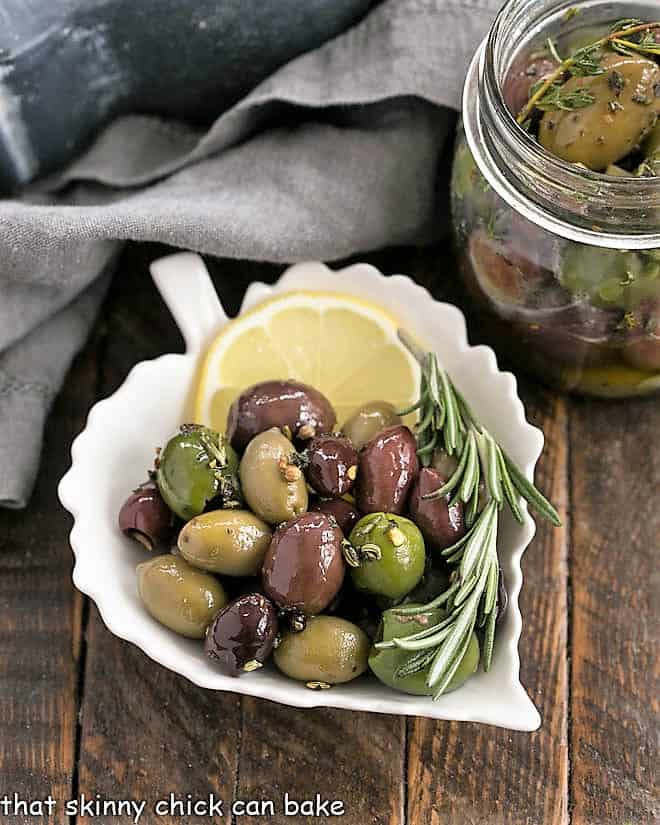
241,636
282,404
304,566
146,518
523,75
441,524
387,469
333,464
343,513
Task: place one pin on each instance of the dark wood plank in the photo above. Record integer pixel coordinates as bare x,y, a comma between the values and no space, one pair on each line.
615,639
463,773
41,619
355,758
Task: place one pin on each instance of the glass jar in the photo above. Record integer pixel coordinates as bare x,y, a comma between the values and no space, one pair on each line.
560,265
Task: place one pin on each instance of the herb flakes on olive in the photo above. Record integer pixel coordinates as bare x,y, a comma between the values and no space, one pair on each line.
196,467
179,596
263,473
230,542
242,635
392,555
329,651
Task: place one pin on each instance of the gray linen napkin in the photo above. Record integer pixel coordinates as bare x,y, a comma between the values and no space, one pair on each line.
334,153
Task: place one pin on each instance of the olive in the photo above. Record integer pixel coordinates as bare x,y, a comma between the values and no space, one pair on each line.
369,420
329,650
283,404
178,596
385,663
331,465
442,524
231,542
304,566
145,517
387,468
651,150
391,552
523,75
625,109
642,347
434,582
273,485
340,510
241,636
196,467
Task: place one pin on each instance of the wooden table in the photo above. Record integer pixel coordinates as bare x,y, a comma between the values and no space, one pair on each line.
82,712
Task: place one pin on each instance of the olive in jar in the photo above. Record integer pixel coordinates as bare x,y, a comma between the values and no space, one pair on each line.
386,663
197,466
391,549
441,523
146,518
301,409
241,636
387,468
329,650
179,596
340,510
369,420
332,464
230,542
599,134
273,485
304,567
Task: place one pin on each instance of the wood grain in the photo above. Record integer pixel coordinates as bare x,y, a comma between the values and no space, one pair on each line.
41,617
356,758
460,773
616,589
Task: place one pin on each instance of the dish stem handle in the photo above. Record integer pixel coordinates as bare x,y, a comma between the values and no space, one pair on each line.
186,286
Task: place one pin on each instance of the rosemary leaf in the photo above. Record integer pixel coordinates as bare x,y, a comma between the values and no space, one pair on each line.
419,661
529,492
489,639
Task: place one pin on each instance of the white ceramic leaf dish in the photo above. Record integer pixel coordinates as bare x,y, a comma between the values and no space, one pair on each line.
110,458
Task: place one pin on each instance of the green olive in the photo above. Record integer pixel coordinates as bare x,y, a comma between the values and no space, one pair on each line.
178,596
231,542
651,150
329,649
196,466
369,420
384,663
273,485
392,555
624,110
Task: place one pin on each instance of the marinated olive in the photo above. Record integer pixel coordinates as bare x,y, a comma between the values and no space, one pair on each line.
601,134
273,484
391,552
241,637
196,467
387,468
385,663
146,518
369,420
283,404
340,510
329,650
178,596
434,582
332,465
231,542
304,566
524,74
441,523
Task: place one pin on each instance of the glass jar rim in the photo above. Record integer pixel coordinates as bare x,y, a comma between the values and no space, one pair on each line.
503,151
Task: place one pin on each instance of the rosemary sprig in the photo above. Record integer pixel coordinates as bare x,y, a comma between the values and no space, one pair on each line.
445,419
586,60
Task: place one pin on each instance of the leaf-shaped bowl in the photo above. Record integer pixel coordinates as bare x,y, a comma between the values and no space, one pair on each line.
110,456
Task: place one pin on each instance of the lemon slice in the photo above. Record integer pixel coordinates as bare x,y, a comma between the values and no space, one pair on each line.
345,347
